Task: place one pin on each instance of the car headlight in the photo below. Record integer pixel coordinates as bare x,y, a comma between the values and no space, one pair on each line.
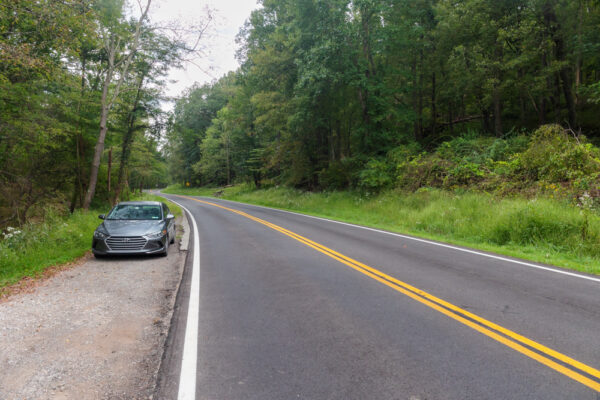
100,235
156,235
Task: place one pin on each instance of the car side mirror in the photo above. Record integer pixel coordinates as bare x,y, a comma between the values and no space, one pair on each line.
170,216
102,216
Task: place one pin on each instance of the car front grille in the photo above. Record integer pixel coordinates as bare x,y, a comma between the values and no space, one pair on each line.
126,243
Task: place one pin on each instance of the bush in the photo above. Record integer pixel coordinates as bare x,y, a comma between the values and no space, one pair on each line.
507,165
556,156
375,176
422,171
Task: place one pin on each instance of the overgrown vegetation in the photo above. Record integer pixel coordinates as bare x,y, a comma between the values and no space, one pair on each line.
31,248
552,161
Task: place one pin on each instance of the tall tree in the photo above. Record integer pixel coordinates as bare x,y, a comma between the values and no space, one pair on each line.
120,43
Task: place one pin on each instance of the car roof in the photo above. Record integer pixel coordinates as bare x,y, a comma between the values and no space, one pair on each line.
139,203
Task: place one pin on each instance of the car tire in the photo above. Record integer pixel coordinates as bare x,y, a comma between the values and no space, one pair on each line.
172,240
166,251
99,255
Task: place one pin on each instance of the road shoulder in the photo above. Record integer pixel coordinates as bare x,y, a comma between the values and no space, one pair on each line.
93,331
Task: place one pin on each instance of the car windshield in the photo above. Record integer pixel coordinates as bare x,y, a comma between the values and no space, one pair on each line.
135,212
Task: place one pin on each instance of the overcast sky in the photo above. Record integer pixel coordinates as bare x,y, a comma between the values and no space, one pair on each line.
230,16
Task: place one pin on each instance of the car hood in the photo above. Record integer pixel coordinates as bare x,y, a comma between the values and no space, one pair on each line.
131,228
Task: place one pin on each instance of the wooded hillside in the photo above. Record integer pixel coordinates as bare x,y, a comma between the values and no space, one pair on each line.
372,94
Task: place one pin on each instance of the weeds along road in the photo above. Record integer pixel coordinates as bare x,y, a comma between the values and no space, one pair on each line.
291,306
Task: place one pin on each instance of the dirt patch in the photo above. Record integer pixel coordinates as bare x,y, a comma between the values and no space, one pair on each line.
92,332
29,284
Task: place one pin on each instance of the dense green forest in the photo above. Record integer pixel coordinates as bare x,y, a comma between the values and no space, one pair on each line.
374,94
81,84
495,96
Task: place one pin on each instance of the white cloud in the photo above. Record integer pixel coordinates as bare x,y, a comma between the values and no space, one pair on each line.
219,58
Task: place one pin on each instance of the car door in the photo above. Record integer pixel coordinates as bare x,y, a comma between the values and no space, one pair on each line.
170,222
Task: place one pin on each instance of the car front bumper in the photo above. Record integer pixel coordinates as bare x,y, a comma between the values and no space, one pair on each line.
128,245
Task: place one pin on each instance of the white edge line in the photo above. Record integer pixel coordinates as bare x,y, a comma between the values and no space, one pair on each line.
500,258
189,360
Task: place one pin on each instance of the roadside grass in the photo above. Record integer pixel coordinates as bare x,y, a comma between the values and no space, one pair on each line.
542,230
35,247
201,191
29,250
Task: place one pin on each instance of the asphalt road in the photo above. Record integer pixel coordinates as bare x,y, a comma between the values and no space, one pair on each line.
293,307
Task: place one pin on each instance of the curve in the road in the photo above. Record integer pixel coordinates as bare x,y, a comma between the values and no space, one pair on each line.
567,366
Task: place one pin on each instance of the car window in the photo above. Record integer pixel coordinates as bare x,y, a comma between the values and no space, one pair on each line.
135,212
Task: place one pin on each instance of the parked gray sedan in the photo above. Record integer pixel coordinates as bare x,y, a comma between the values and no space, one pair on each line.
135,227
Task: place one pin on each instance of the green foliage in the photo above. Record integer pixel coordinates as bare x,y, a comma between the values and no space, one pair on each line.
518,163
325,88
555,155
375,176
543,222
55,57
339,174
57,240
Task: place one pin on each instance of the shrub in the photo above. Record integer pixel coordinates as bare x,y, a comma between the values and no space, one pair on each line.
375,176
423,170
556,156
464,173
505,149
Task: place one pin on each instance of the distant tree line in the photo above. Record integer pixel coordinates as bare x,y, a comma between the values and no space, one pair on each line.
80,88
327,89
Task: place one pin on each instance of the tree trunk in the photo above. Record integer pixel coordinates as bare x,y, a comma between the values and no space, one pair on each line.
363,93
415,101
451,118
486,120
554,26
111,46
73,198
522,100
497,113
578,61
566,84
109,168
227,144
99,143
78,185
433,106
128,138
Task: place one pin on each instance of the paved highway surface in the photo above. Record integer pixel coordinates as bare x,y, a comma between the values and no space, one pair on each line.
294,307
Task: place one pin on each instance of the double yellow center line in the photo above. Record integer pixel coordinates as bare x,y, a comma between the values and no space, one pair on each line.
568,366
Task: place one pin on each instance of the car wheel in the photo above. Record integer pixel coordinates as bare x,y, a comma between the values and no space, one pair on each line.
172,240
99,255
166,251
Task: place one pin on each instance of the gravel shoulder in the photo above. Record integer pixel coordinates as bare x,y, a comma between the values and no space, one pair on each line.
95,331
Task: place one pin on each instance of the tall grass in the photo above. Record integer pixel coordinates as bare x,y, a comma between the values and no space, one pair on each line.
543,230
35,247
180,189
